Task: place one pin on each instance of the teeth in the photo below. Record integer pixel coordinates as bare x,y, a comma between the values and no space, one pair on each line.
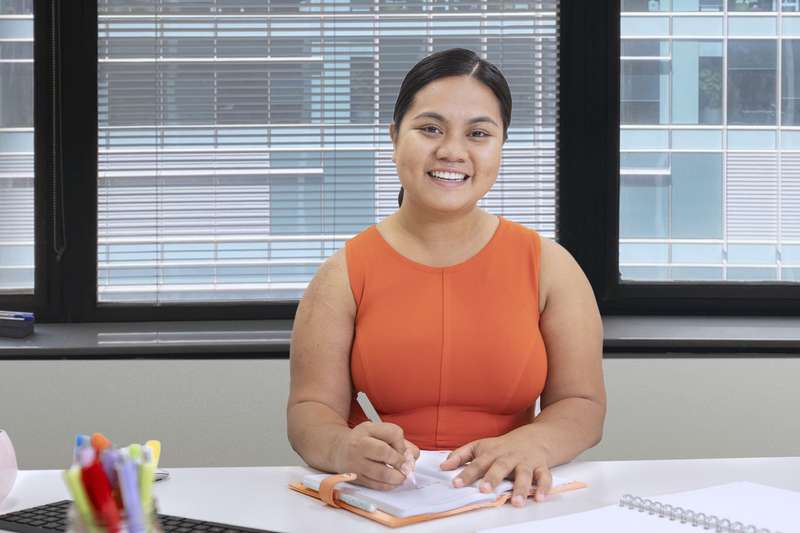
454,176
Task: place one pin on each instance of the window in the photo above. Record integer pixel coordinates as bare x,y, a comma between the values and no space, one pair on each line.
241,143
709,190
16,148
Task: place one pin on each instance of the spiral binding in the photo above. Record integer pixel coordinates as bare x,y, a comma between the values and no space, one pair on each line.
687,516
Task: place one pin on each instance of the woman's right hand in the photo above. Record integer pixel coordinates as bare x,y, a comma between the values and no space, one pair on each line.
368,448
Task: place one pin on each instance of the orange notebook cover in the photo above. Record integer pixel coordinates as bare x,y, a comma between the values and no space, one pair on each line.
327,493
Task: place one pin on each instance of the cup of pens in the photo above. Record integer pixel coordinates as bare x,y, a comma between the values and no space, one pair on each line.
112,489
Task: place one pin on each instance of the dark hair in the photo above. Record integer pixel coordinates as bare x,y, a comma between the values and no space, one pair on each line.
452,62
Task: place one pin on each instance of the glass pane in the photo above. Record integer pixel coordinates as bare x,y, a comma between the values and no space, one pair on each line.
697,5
752,5
645,92
752,74
696,196
697,82
16,147
790,83
645,5
644,207
790,6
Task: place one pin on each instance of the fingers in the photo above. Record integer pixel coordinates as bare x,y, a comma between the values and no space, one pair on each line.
523,478
413,448
459,456
500,468
383,443
543,480
473,471
392,434
376,484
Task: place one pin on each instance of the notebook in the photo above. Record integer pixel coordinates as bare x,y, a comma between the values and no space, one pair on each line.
431,497
735,507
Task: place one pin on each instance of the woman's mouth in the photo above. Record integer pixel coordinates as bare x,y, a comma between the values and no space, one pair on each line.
448,179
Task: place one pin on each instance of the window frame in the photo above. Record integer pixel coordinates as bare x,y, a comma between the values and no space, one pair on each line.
587,169
589,146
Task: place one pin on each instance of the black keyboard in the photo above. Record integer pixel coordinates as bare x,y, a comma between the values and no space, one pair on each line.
53,517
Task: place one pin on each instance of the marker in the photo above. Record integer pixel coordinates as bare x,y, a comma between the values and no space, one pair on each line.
373,416
146,478
154,445
100,442
99,491
80,441
17,314
72,477
129,487
135,452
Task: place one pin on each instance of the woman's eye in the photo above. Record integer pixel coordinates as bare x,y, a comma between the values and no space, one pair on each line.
428,129
482,133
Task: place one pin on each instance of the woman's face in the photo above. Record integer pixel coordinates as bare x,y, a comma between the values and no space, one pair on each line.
453,129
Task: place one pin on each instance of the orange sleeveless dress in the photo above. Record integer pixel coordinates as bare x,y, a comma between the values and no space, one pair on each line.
450,354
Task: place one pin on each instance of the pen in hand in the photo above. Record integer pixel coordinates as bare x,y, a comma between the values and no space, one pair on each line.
373,417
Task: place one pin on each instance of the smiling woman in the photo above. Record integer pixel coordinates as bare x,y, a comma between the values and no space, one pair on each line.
452,320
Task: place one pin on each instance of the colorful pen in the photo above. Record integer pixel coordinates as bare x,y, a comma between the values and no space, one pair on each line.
72,477
127,475
98,488
154,445
147,472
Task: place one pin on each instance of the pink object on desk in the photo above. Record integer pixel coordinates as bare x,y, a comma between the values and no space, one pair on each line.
8,465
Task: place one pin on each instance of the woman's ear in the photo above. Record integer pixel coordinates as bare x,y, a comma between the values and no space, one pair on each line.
393,136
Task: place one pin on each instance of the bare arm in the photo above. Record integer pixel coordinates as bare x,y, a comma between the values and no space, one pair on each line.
320,389
319,396
573,402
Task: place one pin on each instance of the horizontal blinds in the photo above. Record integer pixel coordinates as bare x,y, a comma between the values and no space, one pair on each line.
241,143
16,148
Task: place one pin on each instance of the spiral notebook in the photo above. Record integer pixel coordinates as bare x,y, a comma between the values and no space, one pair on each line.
733,508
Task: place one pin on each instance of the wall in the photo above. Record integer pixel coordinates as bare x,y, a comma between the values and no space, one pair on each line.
232,412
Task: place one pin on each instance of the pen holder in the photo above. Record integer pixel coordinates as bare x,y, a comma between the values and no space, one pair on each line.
8,465
75,523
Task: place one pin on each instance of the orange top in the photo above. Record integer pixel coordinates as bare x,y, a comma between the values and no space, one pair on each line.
450,354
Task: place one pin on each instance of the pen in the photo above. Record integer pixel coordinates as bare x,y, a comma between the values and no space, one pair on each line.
128,476
99,490
373,416
72,477
146,477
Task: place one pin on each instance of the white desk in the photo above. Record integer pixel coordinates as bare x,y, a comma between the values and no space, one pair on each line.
258,497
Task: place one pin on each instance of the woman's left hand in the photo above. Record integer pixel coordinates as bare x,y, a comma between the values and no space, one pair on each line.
512,456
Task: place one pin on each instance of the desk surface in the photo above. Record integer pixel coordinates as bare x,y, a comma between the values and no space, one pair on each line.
258,497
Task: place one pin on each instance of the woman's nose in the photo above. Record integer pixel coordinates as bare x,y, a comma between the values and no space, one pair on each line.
451,148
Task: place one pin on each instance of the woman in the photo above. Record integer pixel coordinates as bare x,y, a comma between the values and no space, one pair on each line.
452,320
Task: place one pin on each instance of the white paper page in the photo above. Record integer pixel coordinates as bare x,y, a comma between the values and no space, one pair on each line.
432,495
429,461
749,503
611,519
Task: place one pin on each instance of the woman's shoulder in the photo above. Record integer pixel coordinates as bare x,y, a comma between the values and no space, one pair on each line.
558,270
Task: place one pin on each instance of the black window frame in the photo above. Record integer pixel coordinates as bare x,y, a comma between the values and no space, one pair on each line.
65,120
589,184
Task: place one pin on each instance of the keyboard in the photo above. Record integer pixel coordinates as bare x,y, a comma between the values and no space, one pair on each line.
53,517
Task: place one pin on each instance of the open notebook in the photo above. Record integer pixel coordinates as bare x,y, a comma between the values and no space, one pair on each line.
761,508
434,492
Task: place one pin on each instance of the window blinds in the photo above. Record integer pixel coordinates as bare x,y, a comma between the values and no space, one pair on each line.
16,148
242,142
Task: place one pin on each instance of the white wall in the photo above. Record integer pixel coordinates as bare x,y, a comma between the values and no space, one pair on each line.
232,412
